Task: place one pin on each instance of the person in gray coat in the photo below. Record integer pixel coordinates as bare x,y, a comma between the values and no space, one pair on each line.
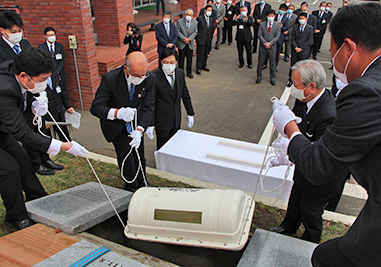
292,19
187,32
221,11
268,35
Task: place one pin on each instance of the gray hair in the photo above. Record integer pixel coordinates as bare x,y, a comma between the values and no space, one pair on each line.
311,71
190,10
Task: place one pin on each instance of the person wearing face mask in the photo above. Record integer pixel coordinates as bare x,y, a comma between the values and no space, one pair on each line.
171,89
292,19
311,20
187,31
282,19
328,11
204,39
287,3
19,79
11,42
227,32
268,34
166,33
316,107
243,37
122,91
322,23
260,13
242,3
301,42
221,11
353,140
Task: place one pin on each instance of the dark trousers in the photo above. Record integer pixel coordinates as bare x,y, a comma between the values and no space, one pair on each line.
329,255
317,45
16,175
202,55
158,5
306,206
262,55
227,32
240,46
255,39
122,147
278,50
218,37
162,136
187,53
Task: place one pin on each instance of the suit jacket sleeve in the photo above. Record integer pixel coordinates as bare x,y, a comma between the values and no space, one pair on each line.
61,63
173,28
186,97
354,132
100,106
147,108
310,40
180,35
260,34
127,39
194,34
65,98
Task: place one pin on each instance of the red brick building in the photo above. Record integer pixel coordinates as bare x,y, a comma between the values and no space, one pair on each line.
83,18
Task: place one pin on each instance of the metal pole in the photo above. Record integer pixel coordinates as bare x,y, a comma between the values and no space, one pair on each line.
79,84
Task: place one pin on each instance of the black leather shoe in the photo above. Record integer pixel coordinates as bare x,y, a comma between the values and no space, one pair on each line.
280,230
286,59
289,83
222,42
18,225
254,51
331,68
314,57
206,69
190,75
264,67
250,66
217,48
229,43
198,72
273,82
42,170
51,165
258,80
240,66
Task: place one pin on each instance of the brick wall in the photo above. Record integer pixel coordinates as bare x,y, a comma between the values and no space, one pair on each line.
111,18
67,17
196,5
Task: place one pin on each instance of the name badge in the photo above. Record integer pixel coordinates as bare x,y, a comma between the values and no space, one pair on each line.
58,56
324,21
58,89
229,12
241,27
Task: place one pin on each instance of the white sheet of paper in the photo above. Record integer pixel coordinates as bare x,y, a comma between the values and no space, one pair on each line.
74,119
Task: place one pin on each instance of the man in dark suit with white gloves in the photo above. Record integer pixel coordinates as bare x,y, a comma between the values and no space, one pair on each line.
315,105
171,88
353,140
57,51
122,92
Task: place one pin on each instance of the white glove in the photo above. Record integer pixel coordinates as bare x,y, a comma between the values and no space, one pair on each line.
39,108
281,144
282,159
149,132
77,149
190,122
283,115
136,138
277,103
126,114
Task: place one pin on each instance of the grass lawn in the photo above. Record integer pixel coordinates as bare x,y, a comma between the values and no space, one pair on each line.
77,172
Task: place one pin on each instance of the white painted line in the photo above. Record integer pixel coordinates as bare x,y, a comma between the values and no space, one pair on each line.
314,2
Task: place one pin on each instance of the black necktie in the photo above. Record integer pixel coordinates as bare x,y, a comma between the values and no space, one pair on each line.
305,109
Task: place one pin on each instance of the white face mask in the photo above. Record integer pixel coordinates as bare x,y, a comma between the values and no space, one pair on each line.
14,38
166,20
229,3
218,1
297,93
208,13
243,13
270,19
327,8
188,18
168,68
51,39
135,80
302,21
38,87
287,4
342,76
322,8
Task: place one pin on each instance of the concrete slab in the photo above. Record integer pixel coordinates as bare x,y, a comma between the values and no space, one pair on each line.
82,248
77,209
268,249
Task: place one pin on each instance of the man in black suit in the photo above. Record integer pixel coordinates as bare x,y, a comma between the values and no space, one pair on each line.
171,88
328,11
123,92
322,22
20,78
57,51
311,20
240,4
353,140
316,106
166,33
243,36
228,23
260,12
282,19
58,103
11,43
301,41
204,39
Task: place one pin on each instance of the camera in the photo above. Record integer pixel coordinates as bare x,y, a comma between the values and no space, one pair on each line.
134,31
